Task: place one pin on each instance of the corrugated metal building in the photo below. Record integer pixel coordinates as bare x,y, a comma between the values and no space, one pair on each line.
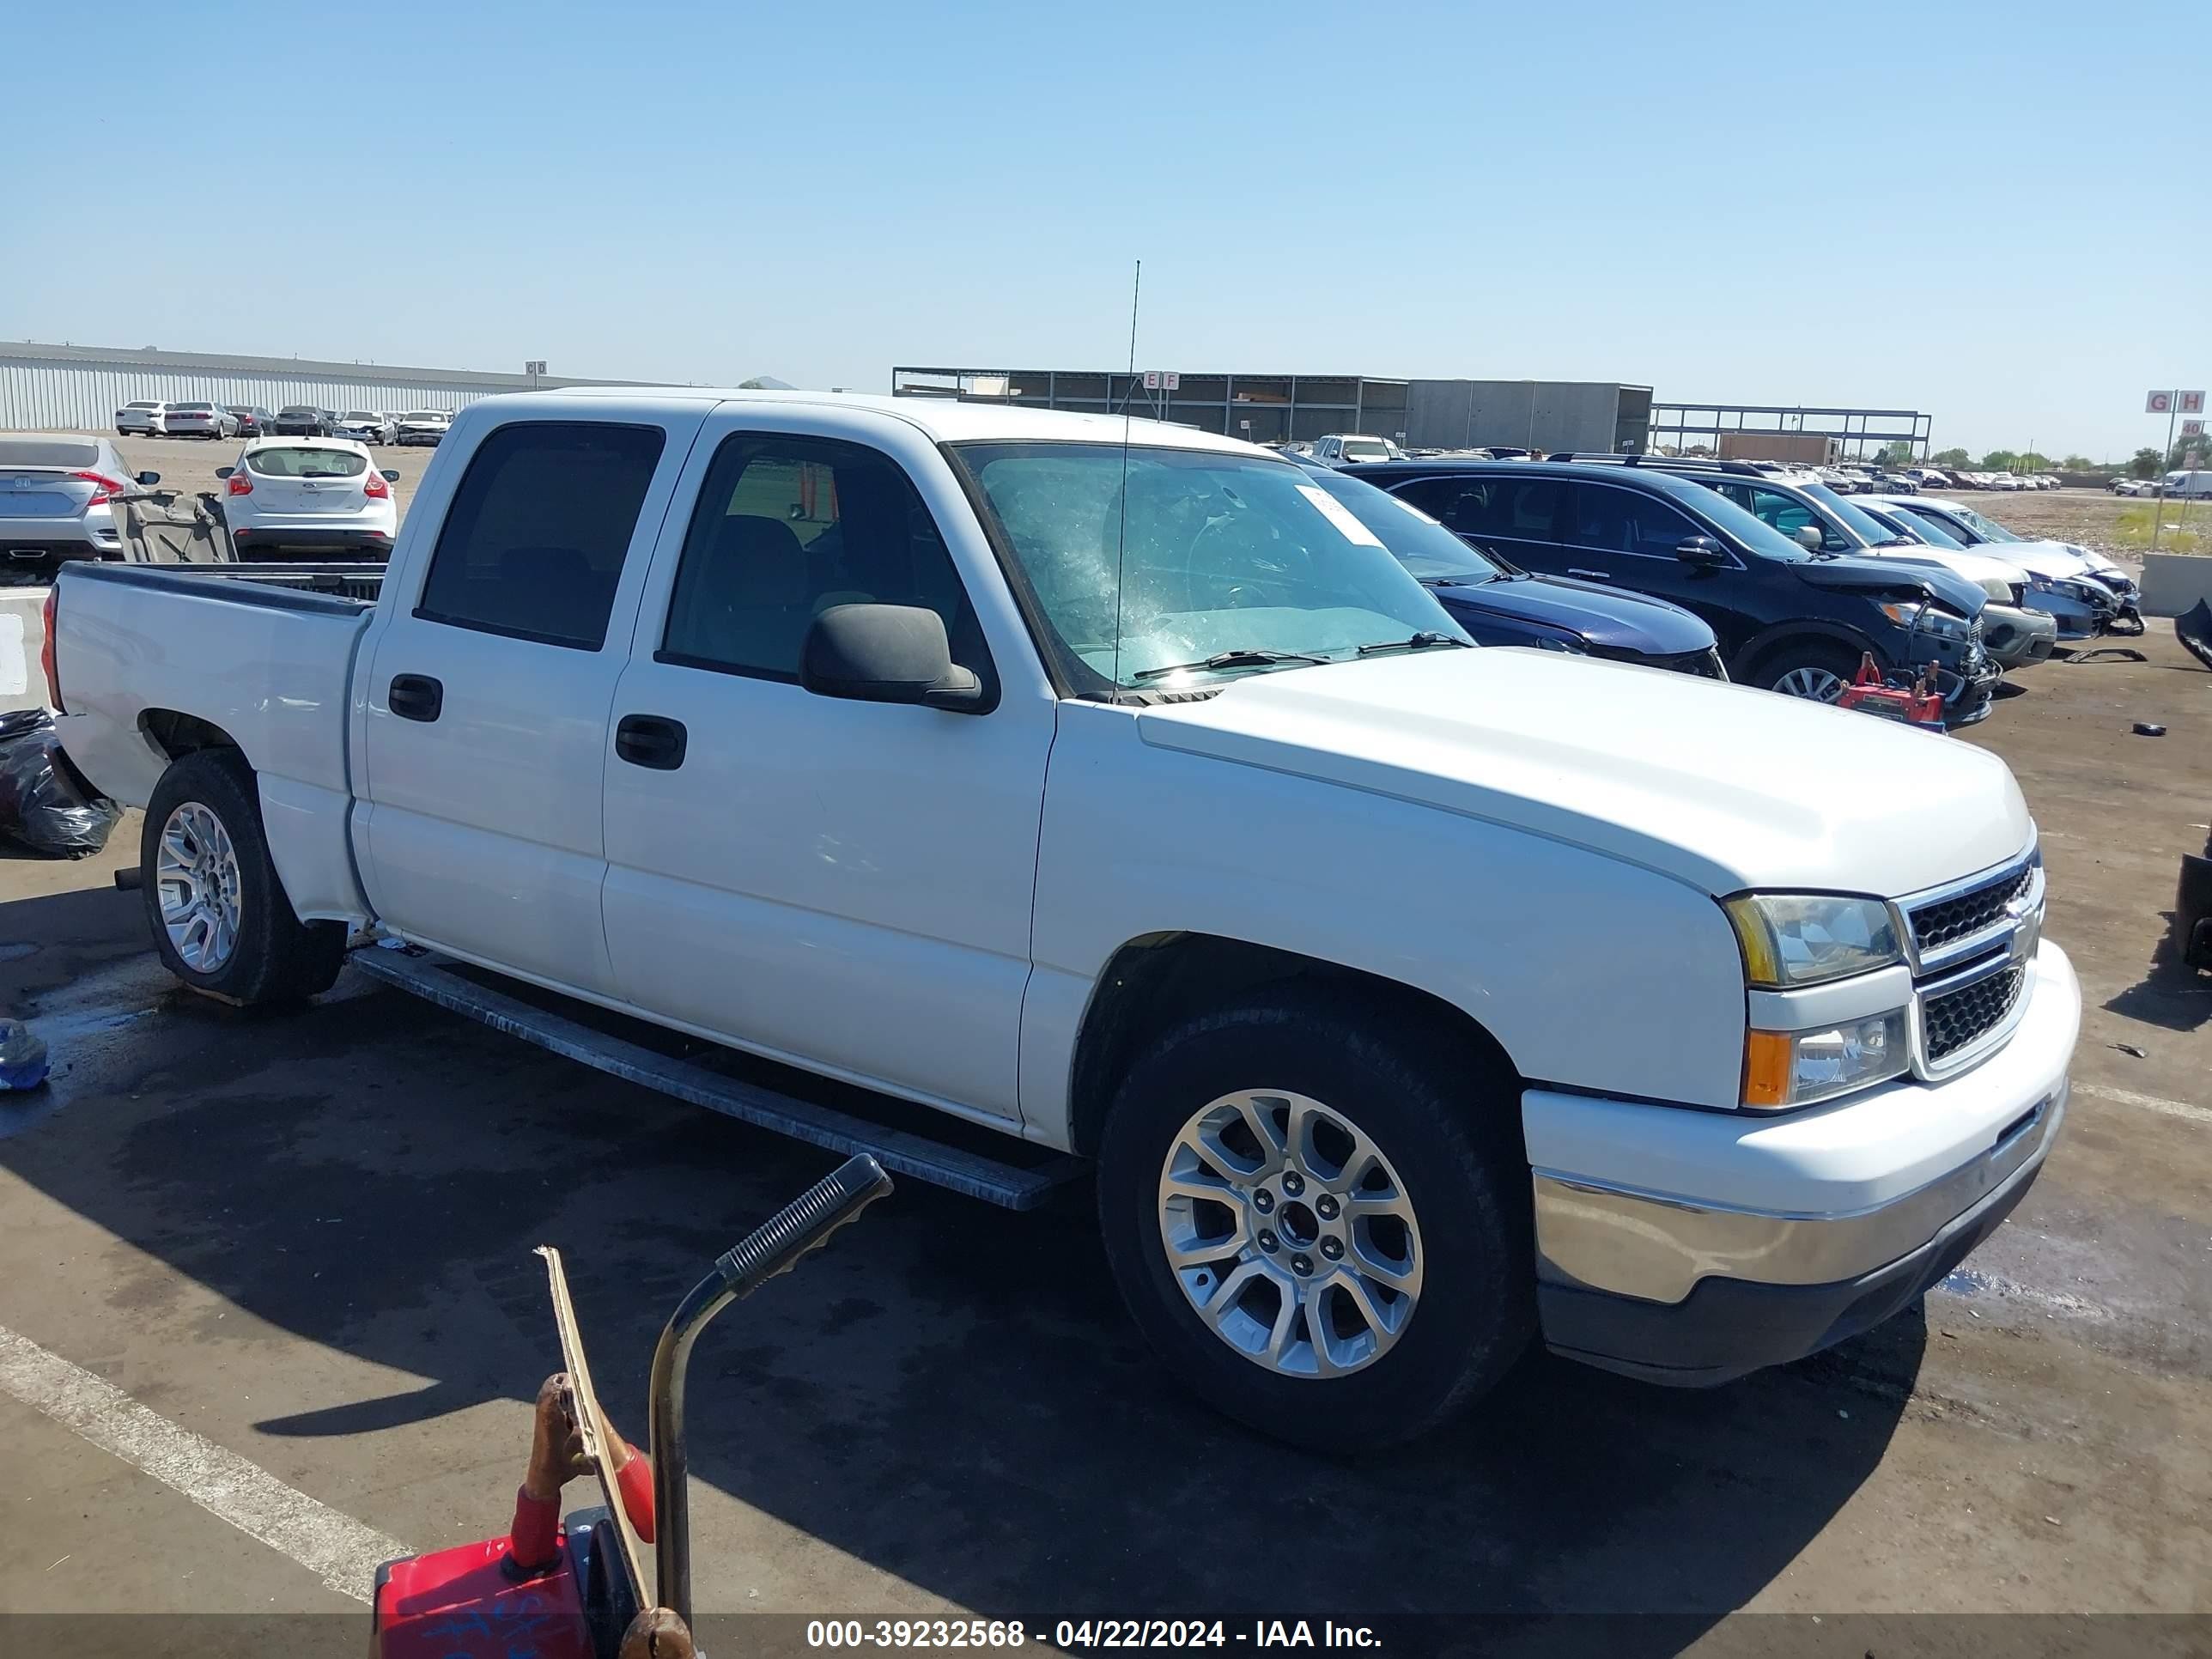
79,388
1546,415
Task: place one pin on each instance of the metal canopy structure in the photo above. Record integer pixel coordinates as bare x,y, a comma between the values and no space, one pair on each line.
1680,424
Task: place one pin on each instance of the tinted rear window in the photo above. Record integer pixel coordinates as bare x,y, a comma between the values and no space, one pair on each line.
47,452
298,408
361,415
194,409
307,462
533,544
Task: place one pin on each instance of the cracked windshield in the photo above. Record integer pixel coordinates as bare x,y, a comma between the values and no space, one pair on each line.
1215,553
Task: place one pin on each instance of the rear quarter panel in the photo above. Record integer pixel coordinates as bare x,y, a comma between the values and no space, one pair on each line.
269,668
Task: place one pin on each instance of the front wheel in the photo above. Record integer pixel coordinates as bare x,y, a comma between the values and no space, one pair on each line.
1816,670
220,918
1318,1214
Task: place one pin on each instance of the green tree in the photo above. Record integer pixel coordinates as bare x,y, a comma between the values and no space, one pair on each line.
2077,464
1897,454
2143,463
1999,460
1951,458
2034,461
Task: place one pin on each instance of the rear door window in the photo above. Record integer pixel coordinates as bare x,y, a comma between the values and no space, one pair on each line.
1611,520
1491,507
533,544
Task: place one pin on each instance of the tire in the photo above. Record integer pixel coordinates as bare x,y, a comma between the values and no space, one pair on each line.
1816,670
1449,1139
208,798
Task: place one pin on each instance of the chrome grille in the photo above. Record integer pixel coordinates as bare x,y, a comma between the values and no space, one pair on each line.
1948,920
1951,1021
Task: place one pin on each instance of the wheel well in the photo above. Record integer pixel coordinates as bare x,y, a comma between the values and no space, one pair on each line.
1758,653
178,735
1154,983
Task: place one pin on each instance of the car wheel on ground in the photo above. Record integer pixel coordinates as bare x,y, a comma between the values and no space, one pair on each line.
1816,670
1318,1213
221,920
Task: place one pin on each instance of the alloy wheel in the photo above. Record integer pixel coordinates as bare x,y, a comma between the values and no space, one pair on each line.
195,875
1291,1234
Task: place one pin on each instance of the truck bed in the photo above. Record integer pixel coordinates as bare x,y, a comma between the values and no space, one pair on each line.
151,656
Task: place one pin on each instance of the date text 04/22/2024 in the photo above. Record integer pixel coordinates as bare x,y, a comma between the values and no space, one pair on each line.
1086,1633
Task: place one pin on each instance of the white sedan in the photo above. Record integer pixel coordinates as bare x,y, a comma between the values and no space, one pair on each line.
308,498
367,425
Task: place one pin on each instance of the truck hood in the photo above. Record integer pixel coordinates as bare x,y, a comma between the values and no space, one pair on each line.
1609,617
1723,786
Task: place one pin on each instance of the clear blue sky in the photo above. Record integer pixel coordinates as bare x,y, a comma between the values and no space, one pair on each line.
1960,208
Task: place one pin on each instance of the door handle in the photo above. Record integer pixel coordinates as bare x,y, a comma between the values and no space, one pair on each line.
1589,576
651,740
416,697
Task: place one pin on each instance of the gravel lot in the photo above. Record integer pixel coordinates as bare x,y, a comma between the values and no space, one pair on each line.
307,1238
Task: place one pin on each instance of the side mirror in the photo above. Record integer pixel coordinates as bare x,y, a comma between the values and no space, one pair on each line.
148,480
1808,536
389,476
1701,550
886,653
220,472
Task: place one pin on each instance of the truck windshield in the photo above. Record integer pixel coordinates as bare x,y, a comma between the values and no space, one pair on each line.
1147,557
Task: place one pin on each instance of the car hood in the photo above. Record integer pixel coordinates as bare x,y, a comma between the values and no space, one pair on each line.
2048,560
1976,568
1723,786
1603,616
1889,577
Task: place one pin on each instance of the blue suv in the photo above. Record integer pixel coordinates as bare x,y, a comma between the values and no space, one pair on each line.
1787,619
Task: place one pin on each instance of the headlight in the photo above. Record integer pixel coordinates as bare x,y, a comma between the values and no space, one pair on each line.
1999,590
1790,939
1796,1068
1930,619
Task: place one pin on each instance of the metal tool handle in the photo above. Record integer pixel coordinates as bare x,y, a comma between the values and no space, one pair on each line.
775,1246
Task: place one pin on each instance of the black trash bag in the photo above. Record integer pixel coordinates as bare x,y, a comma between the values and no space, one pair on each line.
43,804
2193,628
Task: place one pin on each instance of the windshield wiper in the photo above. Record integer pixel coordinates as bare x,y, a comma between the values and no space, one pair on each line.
1239,659
1461,581
1419,641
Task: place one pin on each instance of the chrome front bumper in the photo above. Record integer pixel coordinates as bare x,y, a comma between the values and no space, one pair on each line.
1694,1246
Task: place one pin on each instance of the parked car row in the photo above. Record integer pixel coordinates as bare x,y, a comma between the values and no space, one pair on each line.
215,420
1415,1001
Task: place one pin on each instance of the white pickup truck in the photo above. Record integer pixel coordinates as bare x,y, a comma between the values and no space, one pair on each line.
1111,787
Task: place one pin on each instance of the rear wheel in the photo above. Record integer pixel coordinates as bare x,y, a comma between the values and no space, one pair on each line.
1816,670
1318,1215
221,920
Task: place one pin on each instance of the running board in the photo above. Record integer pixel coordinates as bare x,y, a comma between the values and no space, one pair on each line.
433,977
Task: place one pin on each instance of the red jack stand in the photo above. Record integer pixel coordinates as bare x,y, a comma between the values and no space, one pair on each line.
1918,704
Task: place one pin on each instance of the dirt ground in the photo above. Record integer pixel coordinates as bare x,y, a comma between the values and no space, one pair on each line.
306,1238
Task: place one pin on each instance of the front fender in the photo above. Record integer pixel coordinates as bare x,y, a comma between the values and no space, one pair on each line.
1591,972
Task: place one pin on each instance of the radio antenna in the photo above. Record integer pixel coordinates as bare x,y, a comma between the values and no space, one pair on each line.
1121,539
